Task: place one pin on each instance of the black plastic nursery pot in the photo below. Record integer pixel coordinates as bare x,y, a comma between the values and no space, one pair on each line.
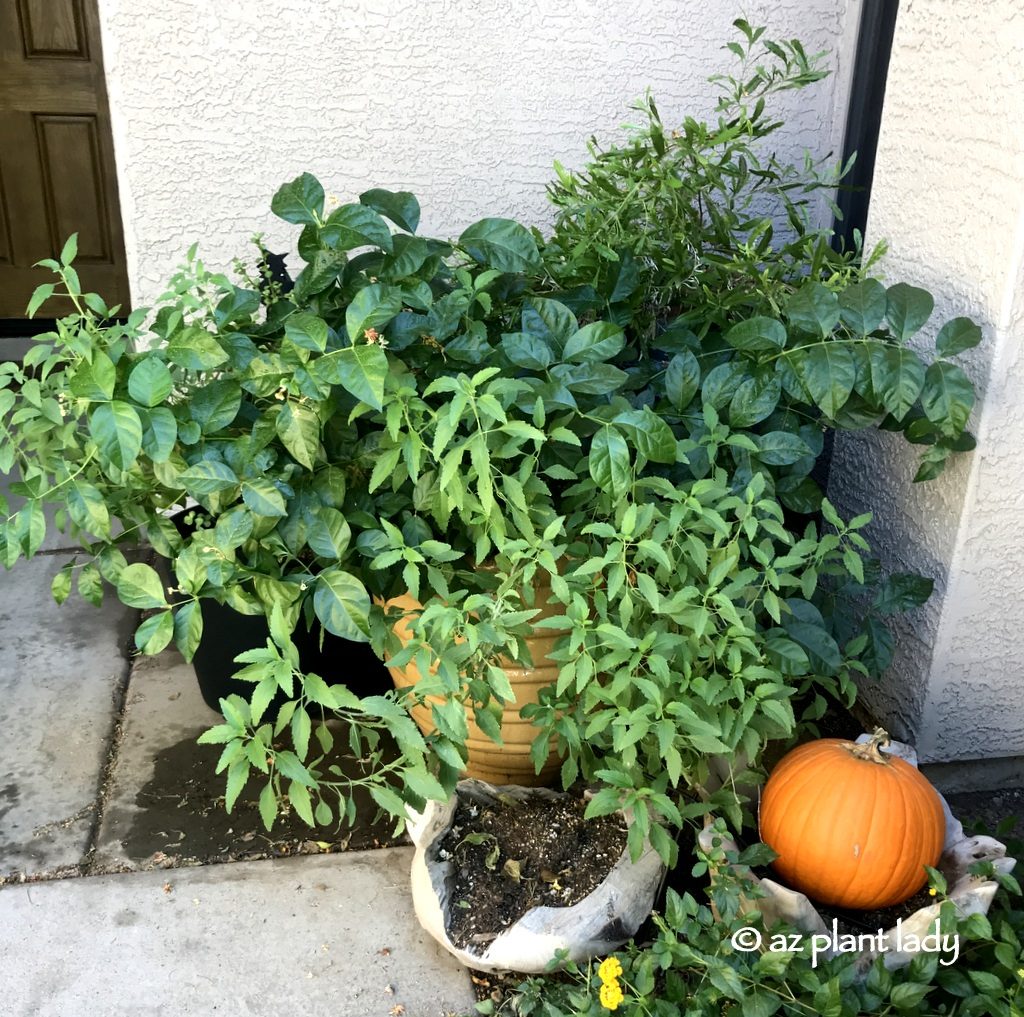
226,634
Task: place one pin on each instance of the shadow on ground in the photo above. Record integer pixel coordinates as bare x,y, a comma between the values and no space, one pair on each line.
180,816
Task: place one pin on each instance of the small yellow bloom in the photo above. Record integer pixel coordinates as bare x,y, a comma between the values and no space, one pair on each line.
1020,972
609,970
932,891
611,995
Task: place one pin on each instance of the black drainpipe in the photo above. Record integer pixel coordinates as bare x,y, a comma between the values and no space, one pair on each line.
863,121
864,115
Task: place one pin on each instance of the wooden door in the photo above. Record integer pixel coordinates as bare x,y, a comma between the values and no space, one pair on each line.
56,153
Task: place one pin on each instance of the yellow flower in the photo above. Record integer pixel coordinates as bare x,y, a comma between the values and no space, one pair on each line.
609,970
611,995
932,891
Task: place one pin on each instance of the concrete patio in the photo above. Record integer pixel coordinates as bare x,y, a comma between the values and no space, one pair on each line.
124,886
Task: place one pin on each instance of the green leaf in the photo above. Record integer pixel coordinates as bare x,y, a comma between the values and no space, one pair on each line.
215,406
897,377
828,371
755,399
208,477
159,432
400,207
372,307
329,533
609,462
549,319
903,591
90,585
360,370
877,656
299,430
342,605
355,226
424,784
88,509
816,640
155,633
301,201
298,795
682,378
321,271
501,244
986,982
95,380
947,397
780,448
956,336
263,497
195,349
388,800
238,305
233,529
117,431
814,309
268,805
307,331
594,343
721,382
908,308
29,527
70,250
862,306
757,1003
756,334
526,350
188,629
39,297
60,585
139,586
150,381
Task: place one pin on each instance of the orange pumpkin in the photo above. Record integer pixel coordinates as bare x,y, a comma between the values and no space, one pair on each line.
853,826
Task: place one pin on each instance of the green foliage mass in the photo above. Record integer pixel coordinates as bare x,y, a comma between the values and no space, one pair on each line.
627,412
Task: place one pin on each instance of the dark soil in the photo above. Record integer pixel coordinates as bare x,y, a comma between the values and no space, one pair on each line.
859,923
509,858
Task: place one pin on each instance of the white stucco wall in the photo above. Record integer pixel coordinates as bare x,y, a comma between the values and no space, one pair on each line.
464,102
949,195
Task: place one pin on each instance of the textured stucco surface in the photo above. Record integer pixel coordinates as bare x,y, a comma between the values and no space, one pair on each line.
949,196
465,103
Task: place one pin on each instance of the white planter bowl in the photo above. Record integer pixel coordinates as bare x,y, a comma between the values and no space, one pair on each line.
598,924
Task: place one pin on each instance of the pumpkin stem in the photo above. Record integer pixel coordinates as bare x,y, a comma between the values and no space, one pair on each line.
870,751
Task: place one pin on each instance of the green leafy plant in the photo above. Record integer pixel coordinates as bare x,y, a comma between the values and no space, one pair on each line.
702,244
691,964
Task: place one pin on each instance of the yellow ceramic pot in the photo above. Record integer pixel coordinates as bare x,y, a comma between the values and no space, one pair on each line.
497,764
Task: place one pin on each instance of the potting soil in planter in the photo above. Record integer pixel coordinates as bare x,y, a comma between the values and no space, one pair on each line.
511,857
